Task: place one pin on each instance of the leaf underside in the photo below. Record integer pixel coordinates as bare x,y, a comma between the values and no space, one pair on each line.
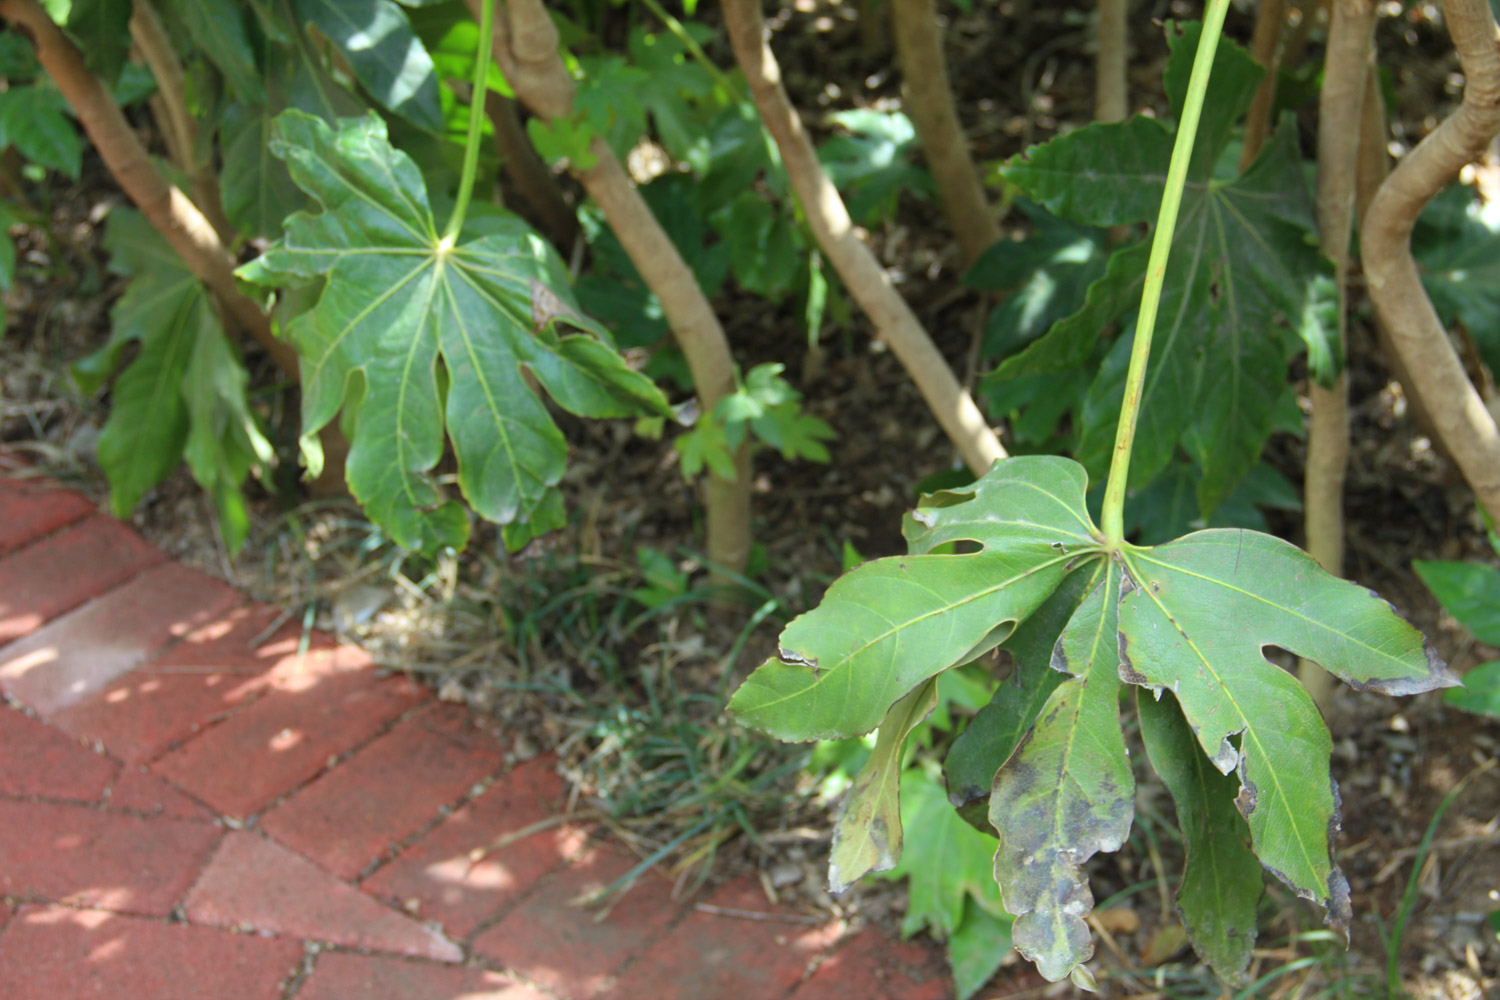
1193,616
1221,884
395,302
1244,262
1067,792
892,623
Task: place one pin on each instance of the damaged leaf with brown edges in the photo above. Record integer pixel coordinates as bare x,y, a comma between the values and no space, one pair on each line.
867,837
1197,616
1221,881
1067,792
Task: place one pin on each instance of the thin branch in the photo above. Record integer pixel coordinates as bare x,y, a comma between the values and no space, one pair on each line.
180,129
1111,87
1351,37
861,272
929,101
1463,423
525,49
172,213
1264,45
537,196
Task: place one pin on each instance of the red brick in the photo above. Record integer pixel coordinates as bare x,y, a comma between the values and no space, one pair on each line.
325,705
58,573
719,955
53,953
253,883
74,854
387,791
30,508
340,976
82,651
552,940
139,791
872,966
36,759
455,878
195,682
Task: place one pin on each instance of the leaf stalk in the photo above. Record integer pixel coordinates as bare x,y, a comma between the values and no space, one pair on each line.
1112,519
476,118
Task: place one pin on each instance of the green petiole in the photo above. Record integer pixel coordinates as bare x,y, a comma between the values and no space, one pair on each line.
476,119
1112,520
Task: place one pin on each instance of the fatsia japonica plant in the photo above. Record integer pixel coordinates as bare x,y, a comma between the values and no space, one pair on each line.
1016,560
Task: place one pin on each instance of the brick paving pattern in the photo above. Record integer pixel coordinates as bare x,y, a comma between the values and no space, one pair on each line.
190,808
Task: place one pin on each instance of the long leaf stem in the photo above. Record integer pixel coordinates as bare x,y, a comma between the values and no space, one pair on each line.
1113,514
476,118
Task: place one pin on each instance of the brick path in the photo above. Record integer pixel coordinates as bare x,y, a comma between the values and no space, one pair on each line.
185,814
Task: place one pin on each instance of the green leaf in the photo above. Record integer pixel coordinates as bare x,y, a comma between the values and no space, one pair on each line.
705,445
1245,261
1196,618
218,29
1221,884
1481,691
7,254
998,728
34,120
1456,243
946,862
977,948
396,301
257,189
892,623
871,165
1067,791
102,28
385,54
1470,592
867,836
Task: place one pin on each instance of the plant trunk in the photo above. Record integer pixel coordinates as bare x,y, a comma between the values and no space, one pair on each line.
1111,88
537,197
861,272
171,212
1264,43
929,101
525,49
1351,37
1465,426
179,128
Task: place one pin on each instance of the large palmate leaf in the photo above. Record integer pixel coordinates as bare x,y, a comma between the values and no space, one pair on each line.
1221,884
1197,617
1067,791
1246,273
1194,616
892,623
397,298
183,395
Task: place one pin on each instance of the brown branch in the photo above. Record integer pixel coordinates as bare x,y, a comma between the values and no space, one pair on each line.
172,213
178,126
536,196
525,49
1351,37
1111,88
1463,423
1264,43
929,101
856,265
